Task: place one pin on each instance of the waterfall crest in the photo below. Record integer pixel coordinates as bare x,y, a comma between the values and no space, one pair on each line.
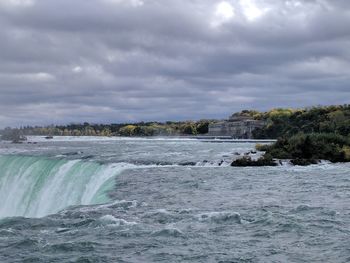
37,186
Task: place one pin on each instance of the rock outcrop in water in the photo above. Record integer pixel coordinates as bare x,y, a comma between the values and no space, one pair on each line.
265,160
302,149
309,148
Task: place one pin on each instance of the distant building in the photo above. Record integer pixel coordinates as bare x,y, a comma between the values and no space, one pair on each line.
237,126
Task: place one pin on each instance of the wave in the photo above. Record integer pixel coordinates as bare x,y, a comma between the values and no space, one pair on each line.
221,217
168,232
113,221
37,186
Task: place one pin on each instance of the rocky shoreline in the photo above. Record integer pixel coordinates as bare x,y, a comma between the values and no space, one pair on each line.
301,149
247,161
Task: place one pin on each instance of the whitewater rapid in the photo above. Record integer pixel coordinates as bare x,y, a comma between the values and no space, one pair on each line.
37,186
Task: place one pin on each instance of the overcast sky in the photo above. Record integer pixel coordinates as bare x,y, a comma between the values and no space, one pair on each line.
105,61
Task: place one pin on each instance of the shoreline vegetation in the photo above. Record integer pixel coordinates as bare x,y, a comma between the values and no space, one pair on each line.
301,149
304,136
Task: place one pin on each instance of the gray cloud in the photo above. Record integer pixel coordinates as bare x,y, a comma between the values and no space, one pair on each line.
131,60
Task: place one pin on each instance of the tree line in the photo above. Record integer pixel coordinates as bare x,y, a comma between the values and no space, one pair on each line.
136,129
280,122
288,122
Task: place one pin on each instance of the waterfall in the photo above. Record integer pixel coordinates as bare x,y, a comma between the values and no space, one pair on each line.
38,186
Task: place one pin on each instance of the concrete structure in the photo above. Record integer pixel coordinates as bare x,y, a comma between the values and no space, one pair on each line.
238,127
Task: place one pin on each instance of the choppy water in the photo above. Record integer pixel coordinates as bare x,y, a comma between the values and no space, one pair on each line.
142,200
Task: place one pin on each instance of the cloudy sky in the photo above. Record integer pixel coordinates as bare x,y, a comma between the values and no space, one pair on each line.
104,61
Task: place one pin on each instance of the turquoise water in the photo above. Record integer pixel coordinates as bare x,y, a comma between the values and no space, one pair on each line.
36,186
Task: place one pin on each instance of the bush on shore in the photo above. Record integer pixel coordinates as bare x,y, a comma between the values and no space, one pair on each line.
262,147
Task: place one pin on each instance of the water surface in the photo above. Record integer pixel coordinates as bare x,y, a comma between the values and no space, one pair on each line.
166,200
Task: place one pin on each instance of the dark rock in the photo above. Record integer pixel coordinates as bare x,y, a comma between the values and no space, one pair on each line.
72,153
87,157
188,164
17,142
248,161
304,162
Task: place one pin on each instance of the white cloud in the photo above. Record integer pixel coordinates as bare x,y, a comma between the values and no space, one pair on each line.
251,10
135,3
29,77
293,3
224,12
17,3
40,76
77,69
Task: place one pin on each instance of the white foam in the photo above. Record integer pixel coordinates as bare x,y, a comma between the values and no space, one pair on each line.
111,220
